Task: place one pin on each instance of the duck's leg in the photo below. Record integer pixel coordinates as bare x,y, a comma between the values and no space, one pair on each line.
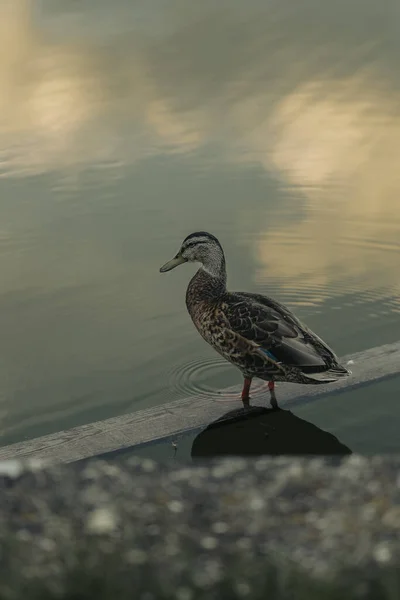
273,400
246,392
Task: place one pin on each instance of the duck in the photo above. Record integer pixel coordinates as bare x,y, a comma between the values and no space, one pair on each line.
255,333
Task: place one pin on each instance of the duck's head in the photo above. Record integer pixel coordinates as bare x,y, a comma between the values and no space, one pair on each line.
199,247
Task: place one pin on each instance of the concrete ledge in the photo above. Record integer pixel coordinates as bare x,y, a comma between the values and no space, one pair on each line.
192,414
268,528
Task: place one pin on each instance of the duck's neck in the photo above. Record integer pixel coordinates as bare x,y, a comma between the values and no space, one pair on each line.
215,266
209,283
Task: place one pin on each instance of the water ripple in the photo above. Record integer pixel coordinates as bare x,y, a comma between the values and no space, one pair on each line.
199,377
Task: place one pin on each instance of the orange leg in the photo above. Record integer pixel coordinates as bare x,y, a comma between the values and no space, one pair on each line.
246,392
271,387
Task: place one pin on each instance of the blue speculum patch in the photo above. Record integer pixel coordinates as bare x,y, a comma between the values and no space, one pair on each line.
268,353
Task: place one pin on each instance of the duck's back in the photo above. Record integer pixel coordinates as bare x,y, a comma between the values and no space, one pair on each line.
278,332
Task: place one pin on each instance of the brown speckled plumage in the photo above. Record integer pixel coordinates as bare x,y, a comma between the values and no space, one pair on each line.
255,333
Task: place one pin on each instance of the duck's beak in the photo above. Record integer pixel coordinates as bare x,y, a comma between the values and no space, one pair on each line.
171,264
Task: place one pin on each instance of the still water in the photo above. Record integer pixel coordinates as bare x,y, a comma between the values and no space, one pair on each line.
125,126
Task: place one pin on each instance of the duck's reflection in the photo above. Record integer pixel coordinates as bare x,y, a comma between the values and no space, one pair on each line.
263,431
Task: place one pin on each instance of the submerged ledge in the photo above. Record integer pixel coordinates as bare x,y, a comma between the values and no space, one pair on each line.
192,414
268,528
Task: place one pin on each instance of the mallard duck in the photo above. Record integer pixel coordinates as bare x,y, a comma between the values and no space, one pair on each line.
257,334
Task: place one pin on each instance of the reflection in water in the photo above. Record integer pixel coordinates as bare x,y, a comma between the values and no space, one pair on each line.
338,142
124,127
262,431
331,134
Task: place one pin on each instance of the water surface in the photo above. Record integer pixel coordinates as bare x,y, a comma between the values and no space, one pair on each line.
125,127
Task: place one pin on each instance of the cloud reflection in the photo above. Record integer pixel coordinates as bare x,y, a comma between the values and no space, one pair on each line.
337,143
291,102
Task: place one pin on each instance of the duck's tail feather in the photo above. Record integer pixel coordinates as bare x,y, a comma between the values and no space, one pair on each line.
333,374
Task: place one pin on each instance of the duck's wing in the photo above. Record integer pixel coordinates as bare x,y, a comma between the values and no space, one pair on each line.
277,333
